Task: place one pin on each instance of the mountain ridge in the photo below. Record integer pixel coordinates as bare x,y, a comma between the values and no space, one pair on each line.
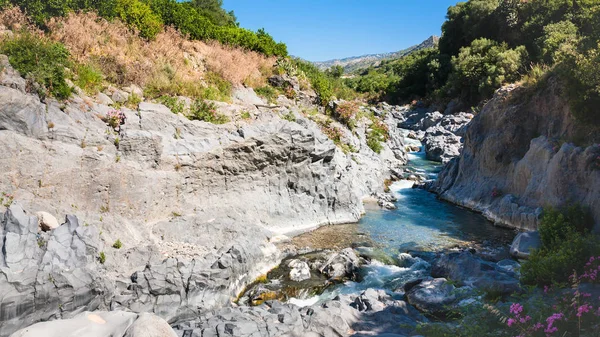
353,63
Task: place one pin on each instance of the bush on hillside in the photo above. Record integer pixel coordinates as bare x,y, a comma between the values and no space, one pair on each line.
582,76
207,112
139,15
483,67
199,19
567,243
40,60
558,39
188,18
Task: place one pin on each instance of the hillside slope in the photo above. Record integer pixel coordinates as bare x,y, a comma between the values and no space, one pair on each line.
354,63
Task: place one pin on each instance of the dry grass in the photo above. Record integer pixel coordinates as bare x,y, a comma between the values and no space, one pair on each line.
14,19
169,64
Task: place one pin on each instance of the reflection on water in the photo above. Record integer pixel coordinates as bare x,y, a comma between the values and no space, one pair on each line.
423,222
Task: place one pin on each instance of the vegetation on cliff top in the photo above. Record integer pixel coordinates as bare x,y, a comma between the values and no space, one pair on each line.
487,43
198,19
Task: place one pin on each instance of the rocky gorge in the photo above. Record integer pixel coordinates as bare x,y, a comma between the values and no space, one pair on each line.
167,220
142,190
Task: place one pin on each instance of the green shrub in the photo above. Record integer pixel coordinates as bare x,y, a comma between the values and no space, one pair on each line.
139,15
205,20
118,244
102,258
567,243
558,39
289,116
218,88
481,68
41,60
582,76
268,92
89,78
173,103
207,112
378,132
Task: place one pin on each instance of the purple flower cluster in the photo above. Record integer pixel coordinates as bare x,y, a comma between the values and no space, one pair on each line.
115,118
575,312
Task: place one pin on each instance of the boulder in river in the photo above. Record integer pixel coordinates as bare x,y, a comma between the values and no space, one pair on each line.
432,296
467,269
299,270
341,265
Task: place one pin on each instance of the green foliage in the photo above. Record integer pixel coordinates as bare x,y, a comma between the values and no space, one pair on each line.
139,15
567,243
102,258
324,84
335,71
213,10
289,116
205,20
559,38
218,88
118,244
373,82
88,78
199,19
173,103
582,76
378,132
483,67
42,10
41,60
207,112
268,92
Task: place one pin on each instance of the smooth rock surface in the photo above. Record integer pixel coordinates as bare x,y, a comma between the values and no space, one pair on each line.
524,243
515,161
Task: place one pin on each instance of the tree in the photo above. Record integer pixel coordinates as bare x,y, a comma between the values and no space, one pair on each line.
213,10
559,39
484,66
336,71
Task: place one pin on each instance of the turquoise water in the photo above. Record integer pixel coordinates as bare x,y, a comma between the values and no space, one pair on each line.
422,222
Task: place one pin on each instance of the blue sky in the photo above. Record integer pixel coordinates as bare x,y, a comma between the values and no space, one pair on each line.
319,30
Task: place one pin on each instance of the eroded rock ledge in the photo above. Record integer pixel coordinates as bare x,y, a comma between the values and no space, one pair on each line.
195,206
518,157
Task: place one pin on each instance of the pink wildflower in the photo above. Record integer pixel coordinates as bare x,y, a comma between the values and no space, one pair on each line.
511,321
516,308
583,309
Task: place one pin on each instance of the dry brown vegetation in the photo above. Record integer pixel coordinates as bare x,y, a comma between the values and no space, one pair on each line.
14,19
170,64
169,60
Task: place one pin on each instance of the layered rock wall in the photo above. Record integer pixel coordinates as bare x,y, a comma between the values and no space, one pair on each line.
519,156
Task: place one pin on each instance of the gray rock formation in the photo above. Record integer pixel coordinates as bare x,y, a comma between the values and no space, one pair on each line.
515,160
341,265
524,243
441,134
441,145
433,296
194,205
101,324
368,313
299,270
467,270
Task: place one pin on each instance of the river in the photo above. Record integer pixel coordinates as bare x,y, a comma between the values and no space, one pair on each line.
421,223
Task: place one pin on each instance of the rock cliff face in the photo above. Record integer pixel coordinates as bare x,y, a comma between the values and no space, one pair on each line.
196,206
518,157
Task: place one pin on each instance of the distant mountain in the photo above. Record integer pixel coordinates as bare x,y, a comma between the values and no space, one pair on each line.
351,64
